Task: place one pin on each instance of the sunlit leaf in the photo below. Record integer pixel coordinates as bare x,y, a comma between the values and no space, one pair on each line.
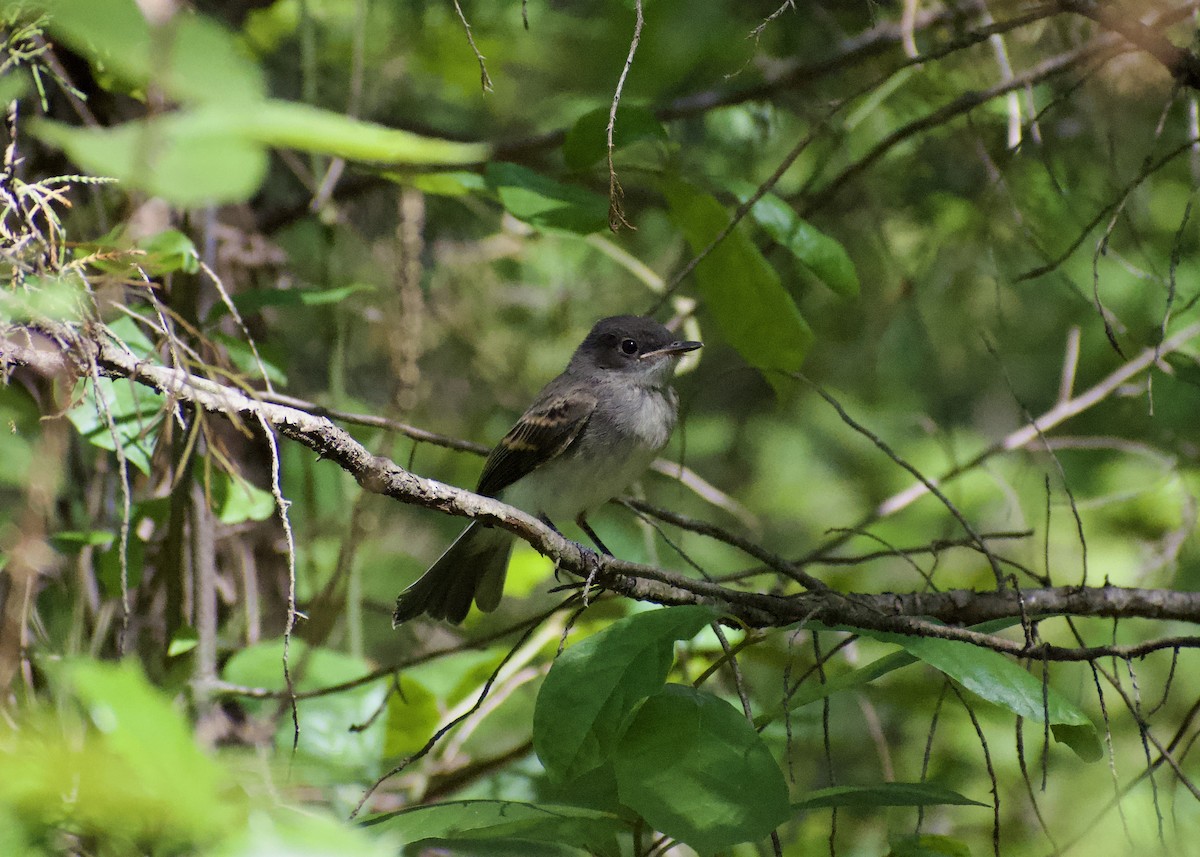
111,412
118,762
291,125
185,157
545,203
824,256
740,289
53,298
237,500
191,59
168,251
447,183
326,735
218,153
412,717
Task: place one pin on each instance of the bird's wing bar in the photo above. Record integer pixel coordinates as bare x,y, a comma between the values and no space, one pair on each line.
542,434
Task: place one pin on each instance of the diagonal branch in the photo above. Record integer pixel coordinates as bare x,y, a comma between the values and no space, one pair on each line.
1183,65
917,614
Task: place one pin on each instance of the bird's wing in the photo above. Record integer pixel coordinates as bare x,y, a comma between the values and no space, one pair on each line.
544,431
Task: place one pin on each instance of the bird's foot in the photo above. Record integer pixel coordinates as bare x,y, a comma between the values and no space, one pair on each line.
591,563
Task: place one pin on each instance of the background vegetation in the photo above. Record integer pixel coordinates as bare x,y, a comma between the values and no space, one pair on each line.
921,241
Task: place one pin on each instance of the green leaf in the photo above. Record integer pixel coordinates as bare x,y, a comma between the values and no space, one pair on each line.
57,297
256,299
995,678
217,153
76,539
184,640
286,831
928,845
326,722
193,59
244,359
129,769
545,203
825,257
694,768
188,157
587,140
168,251
574,829
14,85
108,561
740,289
594,686
135,412
291,125
448,183
413,715
236,500
884,794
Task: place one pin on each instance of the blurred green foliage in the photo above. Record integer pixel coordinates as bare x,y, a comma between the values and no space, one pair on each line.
396,241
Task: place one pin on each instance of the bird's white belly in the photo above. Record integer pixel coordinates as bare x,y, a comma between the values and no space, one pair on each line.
605,460
562,489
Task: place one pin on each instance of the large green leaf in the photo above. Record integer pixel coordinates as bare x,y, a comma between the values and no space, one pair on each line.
884,794
545,203
191,58
824,256
503,822
594,686
291,125
696,769
587,141
997,679
135,411
189,157
217,153
116,762
740,288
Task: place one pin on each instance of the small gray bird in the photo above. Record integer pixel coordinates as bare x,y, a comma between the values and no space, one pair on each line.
590,432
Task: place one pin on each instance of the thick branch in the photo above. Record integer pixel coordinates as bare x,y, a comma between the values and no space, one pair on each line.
911,613
1182,64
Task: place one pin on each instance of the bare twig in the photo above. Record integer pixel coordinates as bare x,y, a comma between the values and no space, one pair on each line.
616,213
484,80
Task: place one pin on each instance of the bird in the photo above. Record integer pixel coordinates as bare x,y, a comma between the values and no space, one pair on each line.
589,433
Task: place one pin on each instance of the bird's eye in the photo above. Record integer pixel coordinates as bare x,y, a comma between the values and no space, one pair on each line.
629,346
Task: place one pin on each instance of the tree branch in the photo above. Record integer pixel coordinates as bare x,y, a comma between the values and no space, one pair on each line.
1182,64
908,613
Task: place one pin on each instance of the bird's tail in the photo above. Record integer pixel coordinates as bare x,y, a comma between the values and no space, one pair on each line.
471,569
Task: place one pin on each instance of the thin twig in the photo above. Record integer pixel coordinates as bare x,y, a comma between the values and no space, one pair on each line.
616,213
484,80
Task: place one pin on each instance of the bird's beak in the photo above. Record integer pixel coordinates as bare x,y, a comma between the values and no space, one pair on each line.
673,350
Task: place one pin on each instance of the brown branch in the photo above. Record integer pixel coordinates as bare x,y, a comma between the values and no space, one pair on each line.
1101,48
616,212
908,613
1183,65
